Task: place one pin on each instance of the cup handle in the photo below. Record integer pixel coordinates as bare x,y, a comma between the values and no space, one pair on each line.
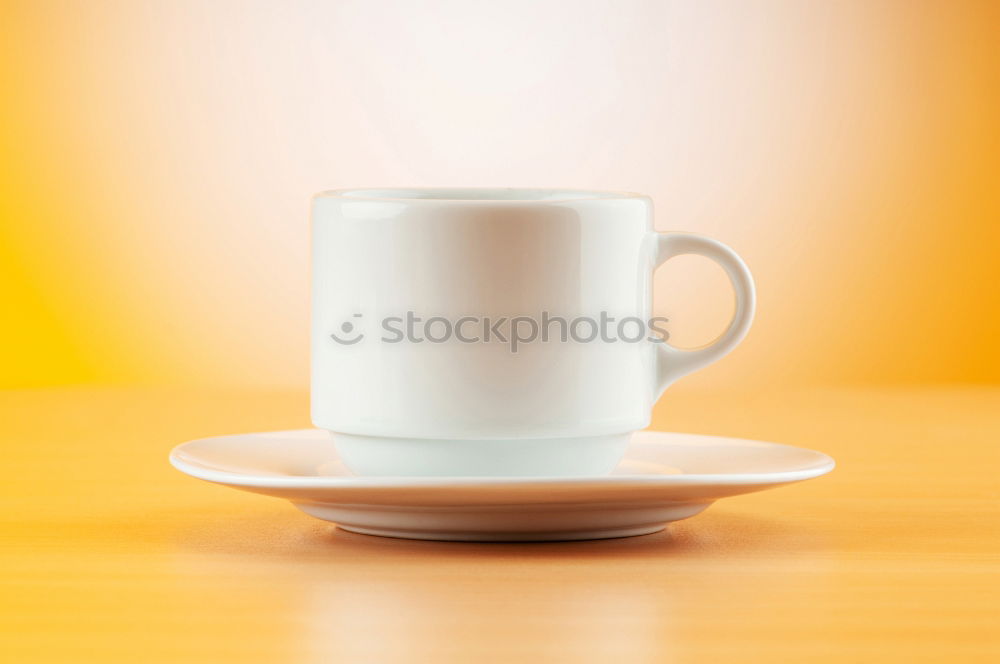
673,363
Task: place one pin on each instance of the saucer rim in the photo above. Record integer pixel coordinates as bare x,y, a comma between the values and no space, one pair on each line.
823,465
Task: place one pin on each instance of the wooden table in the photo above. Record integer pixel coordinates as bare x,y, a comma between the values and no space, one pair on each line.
110,555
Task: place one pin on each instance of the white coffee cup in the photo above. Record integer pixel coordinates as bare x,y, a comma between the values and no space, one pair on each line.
413,374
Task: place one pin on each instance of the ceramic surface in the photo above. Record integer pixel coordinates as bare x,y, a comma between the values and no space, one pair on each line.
664,477
383,258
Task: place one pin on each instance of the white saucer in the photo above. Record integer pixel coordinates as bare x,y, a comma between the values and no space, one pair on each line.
664,477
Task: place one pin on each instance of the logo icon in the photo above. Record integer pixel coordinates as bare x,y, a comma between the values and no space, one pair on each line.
348,328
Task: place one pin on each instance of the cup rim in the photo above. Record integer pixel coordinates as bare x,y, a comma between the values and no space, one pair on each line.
476,195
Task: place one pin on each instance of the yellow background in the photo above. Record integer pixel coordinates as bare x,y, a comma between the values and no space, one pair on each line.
158,159
157,164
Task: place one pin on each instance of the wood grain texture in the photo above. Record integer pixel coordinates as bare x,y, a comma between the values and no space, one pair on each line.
110,555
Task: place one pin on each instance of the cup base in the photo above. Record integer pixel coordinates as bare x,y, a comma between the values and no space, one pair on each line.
518,457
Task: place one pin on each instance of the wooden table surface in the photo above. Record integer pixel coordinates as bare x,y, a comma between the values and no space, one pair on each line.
110,555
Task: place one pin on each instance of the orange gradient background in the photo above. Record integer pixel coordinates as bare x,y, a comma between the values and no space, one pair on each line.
158,160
